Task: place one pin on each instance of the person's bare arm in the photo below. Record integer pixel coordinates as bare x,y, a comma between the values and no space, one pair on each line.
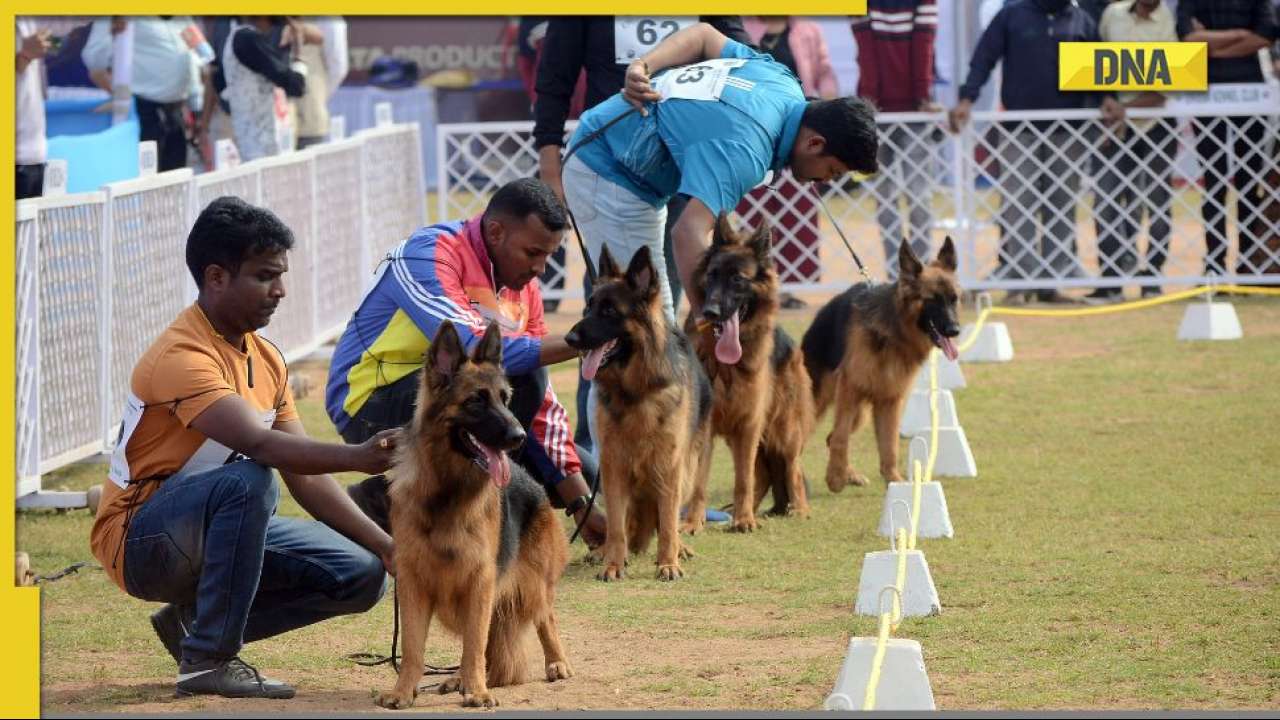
1249,43
554,350
234,423
33,47
694,43
690,236
328,502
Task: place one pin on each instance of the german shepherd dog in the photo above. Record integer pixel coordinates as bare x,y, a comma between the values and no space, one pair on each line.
477,543
865,347
653,400
762,401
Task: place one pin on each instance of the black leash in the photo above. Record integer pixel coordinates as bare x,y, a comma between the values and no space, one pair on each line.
373,659
835,224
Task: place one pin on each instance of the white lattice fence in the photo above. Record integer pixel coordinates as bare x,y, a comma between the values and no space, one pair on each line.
1068,207
339,234
71,328
27,314
288,189
394,190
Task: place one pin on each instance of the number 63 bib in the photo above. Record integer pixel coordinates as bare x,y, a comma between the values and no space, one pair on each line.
700,81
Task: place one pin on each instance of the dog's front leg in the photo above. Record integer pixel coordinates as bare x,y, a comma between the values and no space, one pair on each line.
669,521
415,615
848,416
744,446
888,418
695,516
475,641
613,474
552,651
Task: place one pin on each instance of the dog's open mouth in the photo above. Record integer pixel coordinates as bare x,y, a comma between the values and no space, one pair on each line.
943,343
728,344
596,358
494,462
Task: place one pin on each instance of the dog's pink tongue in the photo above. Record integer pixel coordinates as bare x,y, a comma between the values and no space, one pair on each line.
949,349
728,348
499,465
591,361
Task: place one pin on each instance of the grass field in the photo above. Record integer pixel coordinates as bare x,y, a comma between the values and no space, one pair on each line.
1118,549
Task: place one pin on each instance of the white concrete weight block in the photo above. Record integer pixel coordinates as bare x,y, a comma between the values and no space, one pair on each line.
915,417
993,343
935,520
1210,321
950,376
880,568
904,683
955,459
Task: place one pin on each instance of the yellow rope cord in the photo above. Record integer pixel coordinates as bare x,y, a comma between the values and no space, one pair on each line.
877,662
917,484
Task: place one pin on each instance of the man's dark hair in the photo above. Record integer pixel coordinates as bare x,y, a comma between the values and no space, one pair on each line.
521,198
849,127
228,231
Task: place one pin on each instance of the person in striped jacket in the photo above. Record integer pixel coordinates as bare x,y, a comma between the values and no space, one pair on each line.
470,272
895,72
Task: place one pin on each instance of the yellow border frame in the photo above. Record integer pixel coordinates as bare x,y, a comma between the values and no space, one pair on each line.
20,665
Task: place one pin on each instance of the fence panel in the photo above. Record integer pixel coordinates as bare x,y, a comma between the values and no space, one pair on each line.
27,356
339,236
71,336
288,190
394,196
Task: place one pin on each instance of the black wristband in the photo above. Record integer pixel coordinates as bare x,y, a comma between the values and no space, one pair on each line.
573,506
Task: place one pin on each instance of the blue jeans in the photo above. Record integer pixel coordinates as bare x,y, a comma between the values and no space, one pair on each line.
212,540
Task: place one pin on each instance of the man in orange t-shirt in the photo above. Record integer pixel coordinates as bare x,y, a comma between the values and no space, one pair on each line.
188,514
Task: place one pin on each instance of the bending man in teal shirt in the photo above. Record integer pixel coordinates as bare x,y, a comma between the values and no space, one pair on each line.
721,121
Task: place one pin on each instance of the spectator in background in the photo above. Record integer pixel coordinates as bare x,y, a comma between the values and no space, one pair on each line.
30,147
1039,161
599,47
895,66
1135,161
800,45
166,74
259,77
1235,31
324,52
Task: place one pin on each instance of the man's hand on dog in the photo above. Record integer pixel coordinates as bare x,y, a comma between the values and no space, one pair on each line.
376,454
594,529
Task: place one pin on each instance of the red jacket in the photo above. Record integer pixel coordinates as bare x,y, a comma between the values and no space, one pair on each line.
895,53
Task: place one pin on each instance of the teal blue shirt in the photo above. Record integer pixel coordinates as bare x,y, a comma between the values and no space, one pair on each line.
713,150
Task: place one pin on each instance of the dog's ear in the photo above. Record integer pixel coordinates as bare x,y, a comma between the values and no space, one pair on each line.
946,256
445,356
908,265
761,243
724,234
640,274
490,348
608,268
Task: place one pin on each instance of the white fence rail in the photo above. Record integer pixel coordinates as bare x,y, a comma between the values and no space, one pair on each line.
1034,199
101,274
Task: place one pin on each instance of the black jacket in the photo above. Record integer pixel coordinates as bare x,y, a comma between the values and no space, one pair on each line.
581,43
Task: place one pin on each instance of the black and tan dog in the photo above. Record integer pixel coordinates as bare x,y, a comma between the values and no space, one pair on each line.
762,400
477,544
652,402
865,347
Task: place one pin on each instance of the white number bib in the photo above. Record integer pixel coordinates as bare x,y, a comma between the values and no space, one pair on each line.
700,81
635,36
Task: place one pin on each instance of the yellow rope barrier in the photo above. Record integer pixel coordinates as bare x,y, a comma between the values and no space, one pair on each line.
877,662
933,416
889,622
917,484
1108,309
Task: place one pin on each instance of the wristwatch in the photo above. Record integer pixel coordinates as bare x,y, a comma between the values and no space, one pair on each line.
573,506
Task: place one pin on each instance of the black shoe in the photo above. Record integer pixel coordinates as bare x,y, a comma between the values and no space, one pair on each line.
232,678
1102,296
172,623
1150,291
1055,297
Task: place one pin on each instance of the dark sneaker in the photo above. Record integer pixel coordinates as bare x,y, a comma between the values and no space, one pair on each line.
1054,297
232,678
1150,291
172,623
1104,296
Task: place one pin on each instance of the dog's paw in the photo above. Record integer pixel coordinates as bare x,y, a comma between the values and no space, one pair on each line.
798,511
451,684
670,572
858,479
612,572
594,556
395,700
484,699
891,476
836,481
559,671
692,526
685,552
744,524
